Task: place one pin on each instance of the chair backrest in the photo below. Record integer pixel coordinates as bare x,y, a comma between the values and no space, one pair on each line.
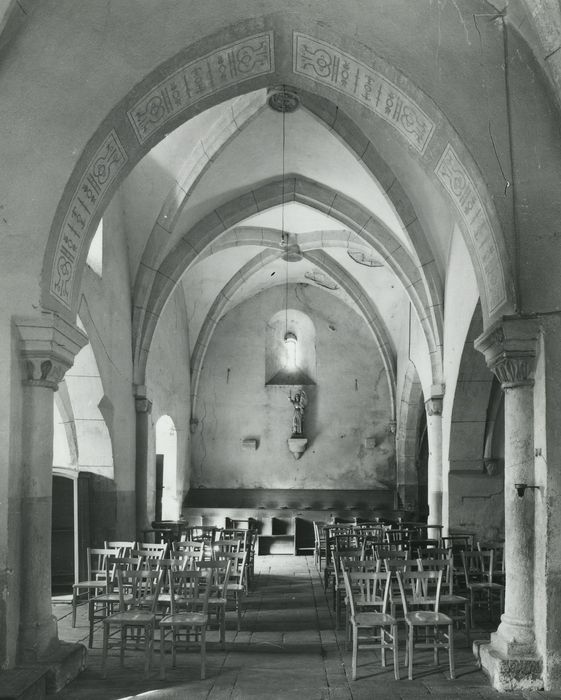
458,542
186,591
233,533
238,565
216,575
367,587
233,545
124,547
193,547
152,549
474,566
433,553
113,563
387,553
419,588
444,565
498,555
97,561
400,564
138,588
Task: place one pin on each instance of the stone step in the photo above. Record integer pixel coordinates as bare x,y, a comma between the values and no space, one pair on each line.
23,684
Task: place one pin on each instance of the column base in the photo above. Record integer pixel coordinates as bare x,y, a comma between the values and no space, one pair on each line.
38,640
512,671
61,665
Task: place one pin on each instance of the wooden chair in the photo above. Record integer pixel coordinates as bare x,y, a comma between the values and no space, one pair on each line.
236,587
138,596
319,542
215,575
189,614
96,577
371,590
107,602
338,581
478,573
498,559
420,595
455,606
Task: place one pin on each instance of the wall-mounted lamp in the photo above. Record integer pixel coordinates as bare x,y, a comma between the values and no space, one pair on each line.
521,488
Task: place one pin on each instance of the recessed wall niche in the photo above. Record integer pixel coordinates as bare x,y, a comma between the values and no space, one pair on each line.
290,349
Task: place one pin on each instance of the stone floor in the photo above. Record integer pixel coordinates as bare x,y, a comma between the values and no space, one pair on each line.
287,648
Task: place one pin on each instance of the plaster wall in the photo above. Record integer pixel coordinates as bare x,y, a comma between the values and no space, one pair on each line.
169,388
105,311
348,404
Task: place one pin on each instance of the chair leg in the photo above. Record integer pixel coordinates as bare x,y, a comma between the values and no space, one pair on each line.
395,653
162,652
74,606
203,653
222,624
104,650
468,625
451,651
148,648
383,645
410,652
91,605
123,644
355,652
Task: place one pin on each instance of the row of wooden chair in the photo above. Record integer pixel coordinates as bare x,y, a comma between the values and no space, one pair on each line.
145,595
368,595
206,542
458,608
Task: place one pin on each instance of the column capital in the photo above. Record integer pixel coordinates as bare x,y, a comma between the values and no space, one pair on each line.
47,348
142,403
433,404
510,350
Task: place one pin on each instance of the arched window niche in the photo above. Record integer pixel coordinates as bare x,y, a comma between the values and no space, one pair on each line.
290,349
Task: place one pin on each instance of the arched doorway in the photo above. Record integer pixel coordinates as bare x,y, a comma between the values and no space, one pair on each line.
167,502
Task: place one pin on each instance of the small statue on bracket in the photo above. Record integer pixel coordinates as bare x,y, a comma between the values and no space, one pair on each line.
299,401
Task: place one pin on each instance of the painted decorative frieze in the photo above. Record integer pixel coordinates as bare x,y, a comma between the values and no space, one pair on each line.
457,182
327,64
101,172
200,78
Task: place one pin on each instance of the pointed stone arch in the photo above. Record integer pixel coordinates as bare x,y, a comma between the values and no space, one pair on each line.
366,227
251,55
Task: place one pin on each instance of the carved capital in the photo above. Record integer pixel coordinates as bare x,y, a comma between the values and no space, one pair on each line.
48,346
510,349
141,402
433,406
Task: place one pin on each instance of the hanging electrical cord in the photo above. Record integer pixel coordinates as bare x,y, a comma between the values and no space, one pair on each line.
284,235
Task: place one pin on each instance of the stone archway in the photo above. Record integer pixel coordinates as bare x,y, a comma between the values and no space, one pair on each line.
257,57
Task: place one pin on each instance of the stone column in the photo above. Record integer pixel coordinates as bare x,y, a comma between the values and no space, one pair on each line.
143,426
48,345
510,349
433,407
